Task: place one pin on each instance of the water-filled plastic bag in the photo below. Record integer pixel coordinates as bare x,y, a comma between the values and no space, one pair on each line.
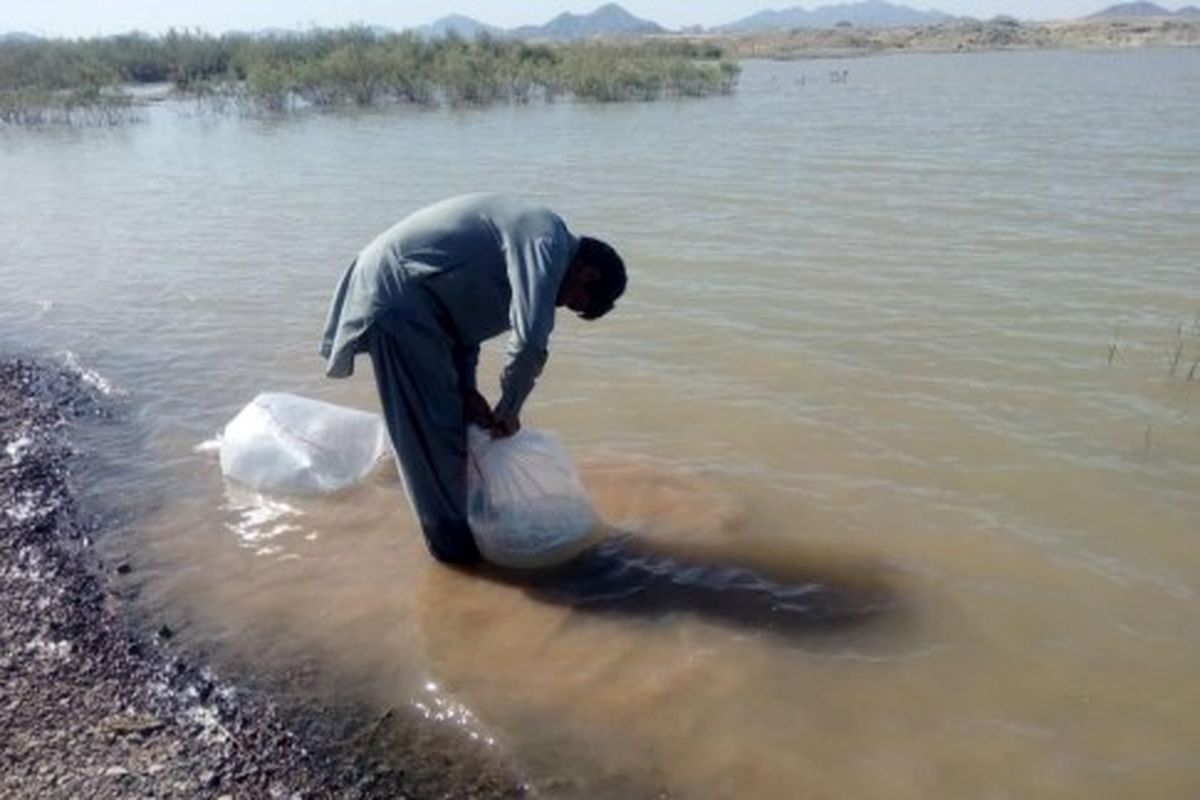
293,445
526,505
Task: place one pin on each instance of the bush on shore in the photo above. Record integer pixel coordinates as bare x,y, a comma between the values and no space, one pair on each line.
351,67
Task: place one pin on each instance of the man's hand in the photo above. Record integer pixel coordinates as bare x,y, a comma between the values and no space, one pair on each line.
478,411
504,426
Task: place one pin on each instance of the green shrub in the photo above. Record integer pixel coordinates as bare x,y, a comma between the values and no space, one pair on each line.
356,66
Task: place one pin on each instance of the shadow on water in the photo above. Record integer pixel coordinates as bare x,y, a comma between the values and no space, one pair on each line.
623,576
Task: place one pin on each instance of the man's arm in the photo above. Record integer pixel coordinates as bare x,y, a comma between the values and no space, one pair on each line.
476,408
466,360
535,270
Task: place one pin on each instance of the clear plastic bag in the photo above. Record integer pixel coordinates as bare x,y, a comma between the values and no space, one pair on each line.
293,445
526,505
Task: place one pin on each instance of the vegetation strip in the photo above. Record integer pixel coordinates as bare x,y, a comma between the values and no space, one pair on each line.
46,80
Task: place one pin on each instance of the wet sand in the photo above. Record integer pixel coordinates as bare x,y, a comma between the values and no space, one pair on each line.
95,702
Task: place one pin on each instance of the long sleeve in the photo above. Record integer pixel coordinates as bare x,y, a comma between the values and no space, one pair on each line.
535,269
466,359
344,324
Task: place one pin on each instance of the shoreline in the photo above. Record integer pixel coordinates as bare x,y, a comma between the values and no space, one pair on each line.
962,37
94,705
603,70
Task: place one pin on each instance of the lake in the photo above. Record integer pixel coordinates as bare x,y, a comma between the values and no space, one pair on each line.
923,327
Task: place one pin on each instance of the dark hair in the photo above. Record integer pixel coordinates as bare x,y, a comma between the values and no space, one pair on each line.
604,291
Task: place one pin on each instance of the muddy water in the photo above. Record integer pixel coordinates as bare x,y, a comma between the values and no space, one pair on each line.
924,341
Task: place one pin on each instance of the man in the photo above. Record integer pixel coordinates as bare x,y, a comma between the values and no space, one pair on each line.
422,296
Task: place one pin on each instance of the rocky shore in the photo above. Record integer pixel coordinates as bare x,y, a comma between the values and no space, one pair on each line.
94,705
999,34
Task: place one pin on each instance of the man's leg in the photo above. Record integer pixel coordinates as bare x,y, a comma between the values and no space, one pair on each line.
423,408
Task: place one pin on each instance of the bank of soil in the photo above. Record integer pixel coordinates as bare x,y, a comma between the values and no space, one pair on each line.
95,705
1001,34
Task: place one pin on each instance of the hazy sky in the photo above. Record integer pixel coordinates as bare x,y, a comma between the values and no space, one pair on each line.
87,17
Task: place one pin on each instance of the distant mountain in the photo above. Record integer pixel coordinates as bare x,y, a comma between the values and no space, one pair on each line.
1188,11
275,33
18,36
463,26
1132,10
867,14
285,34
607,20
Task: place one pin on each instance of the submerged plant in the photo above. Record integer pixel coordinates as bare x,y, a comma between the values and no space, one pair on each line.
84,107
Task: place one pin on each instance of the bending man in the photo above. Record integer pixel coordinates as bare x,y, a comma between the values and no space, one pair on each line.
422,296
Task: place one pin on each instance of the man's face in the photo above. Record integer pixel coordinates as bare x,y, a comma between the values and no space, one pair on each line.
577,292
576,297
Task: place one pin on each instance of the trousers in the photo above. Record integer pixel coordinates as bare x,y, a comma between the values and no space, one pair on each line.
420,391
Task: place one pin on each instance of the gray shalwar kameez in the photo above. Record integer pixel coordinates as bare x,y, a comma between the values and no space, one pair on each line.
420,298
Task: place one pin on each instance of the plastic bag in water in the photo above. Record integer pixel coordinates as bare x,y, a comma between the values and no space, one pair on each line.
526,505
293,445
